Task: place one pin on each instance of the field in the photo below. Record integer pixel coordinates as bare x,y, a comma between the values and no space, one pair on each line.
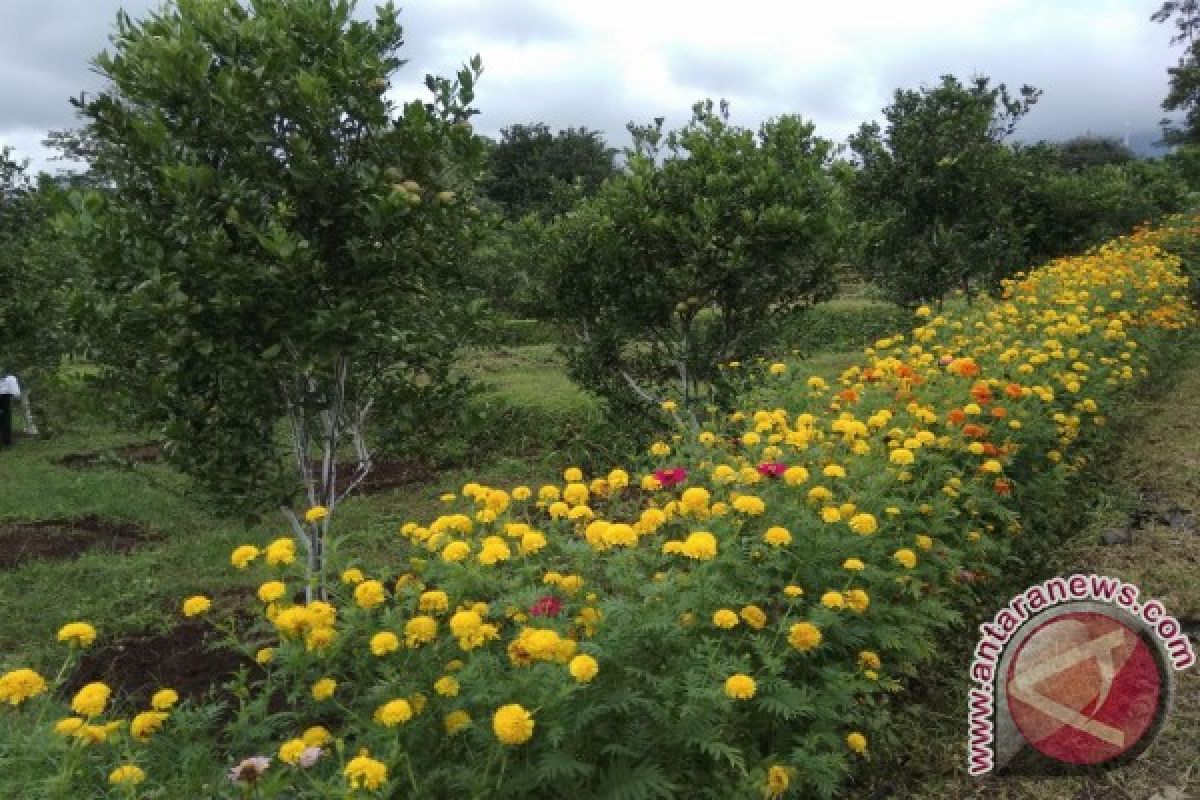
97,528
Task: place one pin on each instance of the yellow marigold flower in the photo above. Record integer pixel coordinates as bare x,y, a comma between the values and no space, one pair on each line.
384,642
80,634
924,542
700,545
832,599
457,550
660,449
864,524
126,775
316,514
707,438
512,724
91,700
792,590
369,594
902,456
434,600
694,500
834,471
754,616
858,600
353,575
448,497
146,724
164,699
740,687
777,536
725,619
364,772
324,689
778,780
992,466
281,551
778,368
750,505
393,713
264,655
242,555
446,686
907,558
794,476
494,550
319,638
854,564
583,668
271,591
316,736
532,543
196,605
456,721
856,742
804,636
68,726
869,659
830,514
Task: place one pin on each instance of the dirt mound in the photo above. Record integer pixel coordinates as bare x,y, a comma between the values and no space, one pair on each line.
185,658
145,453
61,539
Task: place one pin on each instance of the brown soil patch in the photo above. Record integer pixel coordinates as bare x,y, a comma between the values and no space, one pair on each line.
145,453
186,658
385,475
61,539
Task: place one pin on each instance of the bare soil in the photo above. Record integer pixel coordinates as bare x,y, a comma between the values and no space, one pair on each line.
62,539
145,453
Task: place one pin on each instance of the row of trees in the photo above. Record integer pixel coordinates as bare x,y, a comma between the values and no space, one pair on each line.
270,244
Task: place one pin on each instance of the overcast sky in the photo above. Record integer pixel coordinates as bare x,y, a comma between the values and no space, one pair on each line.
601,63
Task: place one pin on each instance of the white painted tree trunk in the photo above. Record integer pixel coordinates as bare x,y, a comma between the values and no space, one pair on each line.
30,426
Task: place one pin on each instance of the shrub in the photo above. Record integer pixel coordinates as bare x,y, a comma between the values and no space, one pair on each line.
729,621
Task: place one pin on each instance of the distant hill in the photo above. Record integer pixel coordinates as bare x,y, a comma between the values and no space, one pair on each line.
1144,144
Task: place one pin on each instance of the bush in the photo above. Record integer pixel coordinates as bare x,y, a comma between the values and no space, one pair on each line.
841,325
733,619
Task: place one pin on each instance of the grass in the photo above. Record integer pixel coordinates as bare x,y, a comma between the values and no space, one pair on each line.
532,376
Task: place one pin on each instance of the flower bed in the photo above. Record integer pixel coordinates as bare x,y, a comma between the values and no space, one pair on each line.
727,621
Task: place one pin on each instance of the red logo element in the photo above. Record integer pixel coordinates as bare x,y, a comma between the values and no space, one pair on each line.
1084,688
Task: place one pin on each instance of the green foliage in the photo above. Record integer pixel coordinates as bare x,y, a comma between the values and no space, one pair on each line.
40,274
686,261
1183,92
277,234
1086,151
508,266
532,171
933,189
842,325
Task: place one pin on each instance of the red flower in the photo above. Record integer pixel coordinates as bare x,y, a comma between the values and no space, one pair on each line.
672,476
546,606
1002,487
772,469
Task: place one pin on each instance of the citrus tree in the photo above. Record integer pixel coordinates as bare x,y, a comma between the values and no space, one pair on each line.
683,263
276,245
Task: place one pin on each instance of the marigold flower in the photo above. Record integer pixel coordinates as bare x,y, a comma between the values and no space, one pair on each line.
249,770
272,591
126,775
869,659
364,772
316,514
80,634
164,699
725,619
447,686
353,575
369,594
832,599
146,724
907,558
857,742
778,780
68,726
700,545
792,590
740,687
858,600
384,642
281,552
750,505
754,616
242,555
854,564
323,689
864,524
456,721
196,605
777,536
394,712
804,636
316,736
512,724
583,668
91,700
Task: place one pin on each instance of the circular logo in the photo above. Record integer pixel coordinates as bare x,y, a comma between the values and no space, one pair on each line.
1085,688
